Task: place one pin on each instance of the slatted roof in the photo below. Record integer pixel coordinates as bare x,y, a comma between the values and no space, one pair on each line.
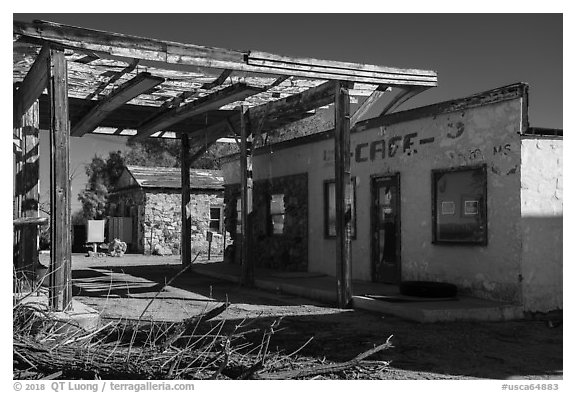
141,87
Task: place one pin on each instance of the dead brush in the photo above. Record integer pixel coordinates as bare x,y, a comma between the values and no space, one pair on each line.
200,347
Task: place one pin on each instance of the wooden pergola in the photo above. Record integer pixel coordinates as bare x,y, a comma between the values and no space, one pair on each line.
75,81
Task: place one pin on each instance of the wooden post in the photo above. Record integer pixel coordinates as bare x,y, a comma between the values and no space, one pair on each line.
28,179
247,278
343,194
60,271
186,246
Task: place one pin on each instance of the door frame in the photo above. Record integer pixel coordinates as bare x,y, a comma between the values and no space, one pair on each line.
395,176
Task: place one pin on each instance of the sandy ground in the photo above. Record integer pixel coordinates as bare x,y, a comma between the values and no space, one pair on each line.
124,288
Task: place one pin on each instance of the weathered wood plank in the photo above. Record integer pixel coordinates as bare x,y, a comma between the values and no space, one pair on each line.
213,101
113,79
32,86
154,50
27,188
294,104
367,105
60,279
186,241
135,86
247,277
336,64
343,195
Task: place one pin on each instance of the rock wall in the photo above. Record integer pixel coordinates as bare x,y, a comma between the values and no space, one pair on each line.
160,224
287,251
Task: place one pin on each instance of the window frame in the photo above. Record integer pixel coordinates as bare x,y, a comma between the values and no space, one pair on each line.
220,207
482,206
326,208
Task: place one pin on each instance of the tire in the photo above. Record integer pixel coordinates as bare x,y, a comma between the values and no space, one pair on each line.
428,289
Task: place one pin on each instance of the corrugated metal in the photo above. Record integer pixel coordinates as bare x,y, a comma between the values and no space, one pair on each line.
161,177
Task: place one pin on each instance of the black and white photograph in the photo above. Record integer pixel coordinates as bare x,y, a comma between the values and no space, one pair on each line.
286,195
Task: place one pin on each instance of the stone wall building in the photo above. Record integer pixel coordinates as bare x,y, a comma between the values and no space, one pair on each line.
463,191
145,209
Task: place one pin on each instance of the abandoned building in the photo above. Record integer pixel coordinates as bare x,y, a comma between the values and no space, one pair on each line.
145,211
463,192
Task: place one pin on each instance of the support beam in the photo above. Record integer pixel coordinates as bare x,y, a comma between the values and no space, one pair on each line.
367,105
60,277
295,104
192,56
343,195
236,92
403,95
113,79
133,88
186,232
247,277
32,86
29,180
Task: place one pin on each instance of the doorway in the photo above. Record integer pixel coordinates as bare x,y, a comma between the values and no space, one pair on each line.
385,222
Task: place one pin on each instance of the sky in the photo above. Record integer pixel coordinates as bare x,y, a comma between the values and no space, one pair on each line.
471,53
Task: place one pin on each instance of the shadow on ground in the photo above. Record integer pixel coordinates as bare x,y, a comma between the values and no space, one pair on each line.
497,350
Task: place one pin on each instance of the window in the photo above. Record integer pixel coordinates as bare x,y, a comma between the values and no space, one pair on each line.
330,208
459,206
277,213
216,218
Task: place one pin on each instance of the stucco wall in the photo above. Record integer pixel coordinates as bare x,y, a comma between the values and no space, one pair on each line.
485,134
541,224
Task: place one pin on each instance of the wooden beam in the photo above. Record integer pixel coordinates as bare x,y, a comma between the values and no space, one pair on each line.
134,87
113,79
186,232
367,105
343,195
236,92
32,86
27,189
345,71
403,95
247,277
120,45
60,278
295,104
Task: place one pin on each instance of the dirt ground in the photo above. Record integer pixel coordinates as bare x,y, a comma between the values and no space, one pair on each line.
123,287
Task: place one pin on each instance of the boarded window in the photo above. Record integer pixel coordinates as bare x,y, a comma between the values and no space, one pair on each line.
330,208
460,206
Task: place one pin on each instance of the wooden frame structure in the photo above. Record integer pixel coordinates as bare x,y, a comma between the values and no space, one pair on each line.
102,82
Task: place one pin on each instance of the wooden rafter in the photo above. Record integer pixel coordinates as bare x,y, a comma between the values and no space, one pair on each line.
113,79
292,105
403,95
236,92
167,52
135,86
368,104
32,86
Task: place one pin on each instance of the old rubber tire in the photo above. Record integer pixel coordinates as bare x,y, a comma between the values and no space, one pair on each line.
428,289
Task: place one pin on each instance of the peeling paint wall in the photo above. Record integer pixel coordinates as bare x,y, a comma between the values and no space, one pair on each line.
486,134
541,224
